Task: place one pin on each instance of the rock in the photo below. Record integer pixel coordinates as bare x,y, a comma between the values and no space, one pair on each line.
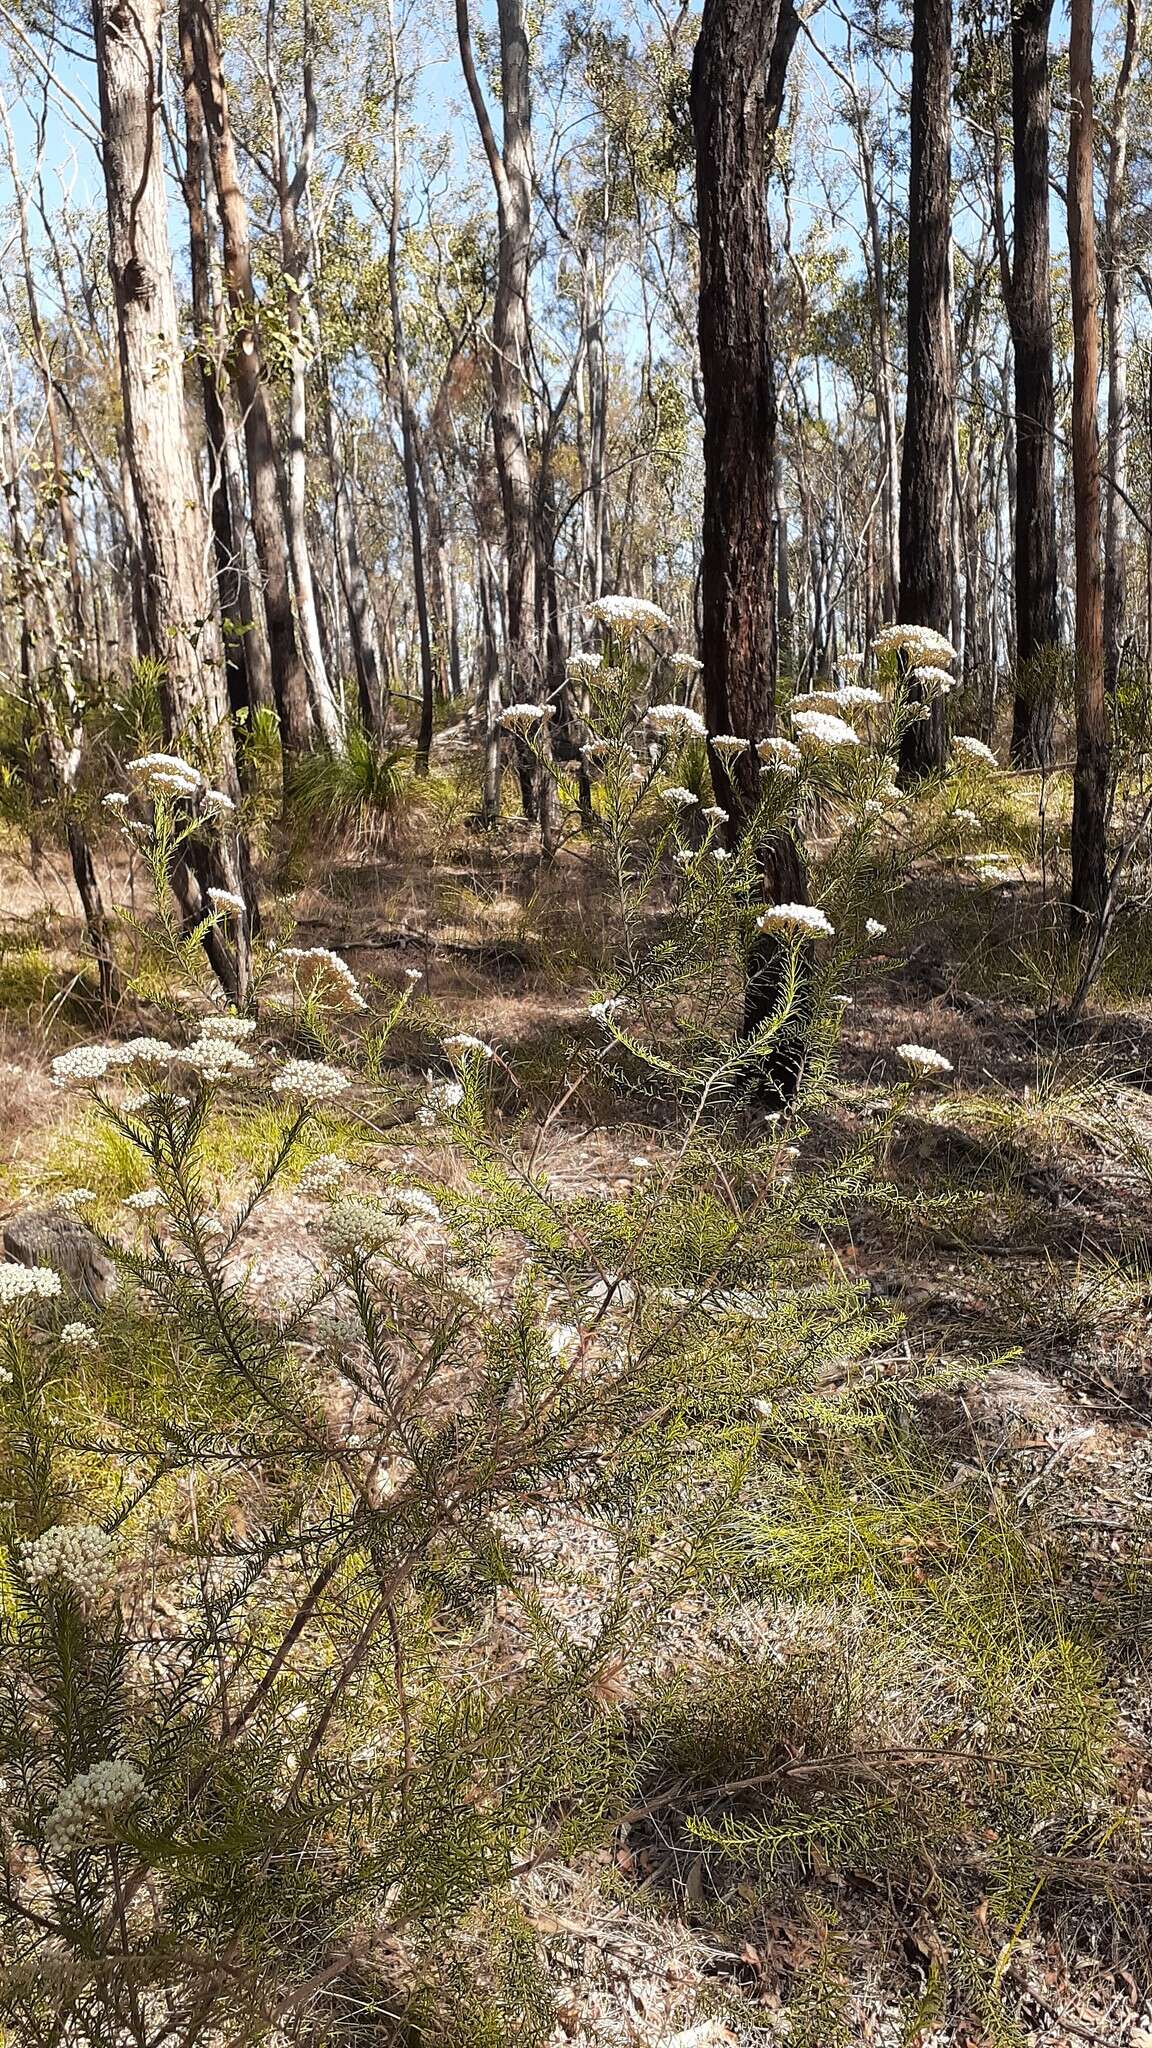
50,1237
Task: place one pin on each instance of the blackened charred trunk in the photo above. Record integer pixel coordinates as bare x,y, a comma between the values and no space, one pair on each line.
1030,318
235,613
1116,290
1090,782
97,923
737,92
926,466
200,52
778,990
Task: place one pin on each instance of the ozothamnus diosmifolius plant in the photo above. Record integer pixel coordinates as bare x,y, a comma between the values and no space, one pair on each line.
331,1614
315,1607
697,902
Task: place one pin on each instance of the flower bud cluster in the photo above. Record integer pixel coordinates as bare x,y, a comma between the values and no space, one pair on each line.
89,1808
79,1556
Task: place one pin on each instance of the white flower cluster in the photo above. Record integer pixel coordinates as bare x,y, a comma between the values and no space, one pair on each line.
821,729
462,1042
440,1099
83,1063
857,697
20,1284
166,775
415,1202
584,663
73,1198
923,1060
974,749
918,643
797,917
963,817
780,754
140,1050
78,1336
686,664
853,697
312,1079
325,1172
676,722
219,1024
330,968
169,775
609,1007
144,1198
79,1556
92,1062
677,798
227,901
88,1809
215,1055
874,928
628,614
729,746
714,814
526,717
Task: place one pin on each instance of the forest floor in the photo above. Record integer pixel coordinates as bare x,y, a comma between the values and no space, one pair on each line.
1030,1182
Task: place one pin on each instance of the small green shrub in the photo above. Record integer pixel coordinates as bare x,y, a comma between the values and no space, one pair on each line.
361,787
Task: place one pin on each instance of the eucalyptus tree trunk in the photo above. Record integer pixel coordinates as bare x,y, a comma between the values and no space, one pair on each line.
435,559
1116,332
172,535
1090,782
362,627
232,587
886,387
173,532
926,480
489,691
595,497
201,57
408,426
256,650
510,165
736,98
883,371
1029,304
1011,490
291,191
785,637
134,610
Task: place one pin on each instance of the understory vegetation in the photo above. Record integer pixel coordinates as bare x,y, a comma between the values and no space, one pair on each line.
501,1455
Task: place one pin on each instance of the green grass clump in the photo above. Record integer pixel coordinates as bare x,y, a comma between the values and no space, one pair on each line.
362,788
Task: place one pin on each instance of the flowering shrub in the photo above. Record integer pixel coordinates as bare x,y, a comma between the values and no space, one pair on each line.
289,1682
335,1608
